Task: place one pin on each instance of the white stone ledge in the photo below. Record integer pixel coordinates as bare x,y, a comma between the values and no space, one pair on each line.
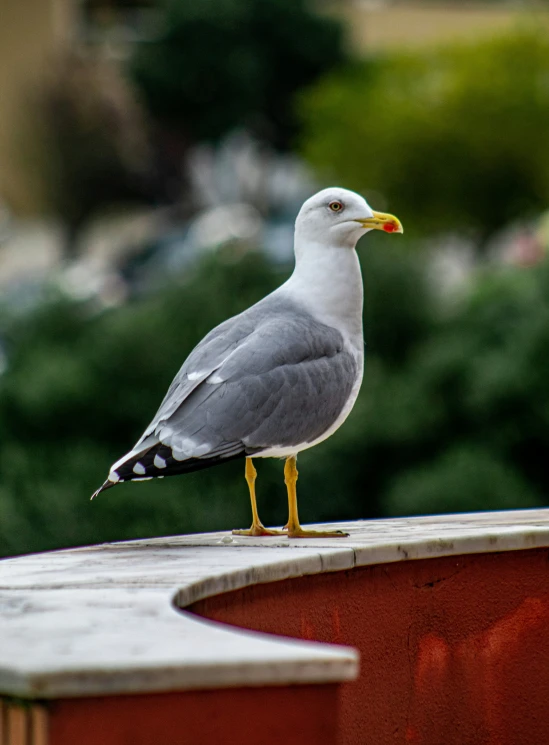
101,620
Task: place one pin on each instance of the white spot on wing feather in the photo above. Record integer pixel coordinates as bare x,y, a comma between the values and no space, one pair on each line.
185,447
139,469
200,450
141,446
159,462
196,375
165,434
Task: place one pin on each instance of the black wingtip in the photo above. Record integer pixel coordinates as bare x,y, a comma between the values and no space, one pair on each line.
143,466
148,468
107,485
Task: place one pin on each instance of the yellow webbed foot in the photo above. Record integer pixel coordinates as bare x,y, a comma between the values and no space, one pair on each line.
300,533
259,530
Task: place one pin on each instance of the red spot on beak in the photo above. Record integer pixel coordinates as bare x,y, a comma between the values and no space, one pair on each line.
389,227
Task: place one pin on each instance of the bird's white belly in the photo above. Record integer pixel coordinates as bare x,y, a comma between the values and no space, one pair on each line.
284,452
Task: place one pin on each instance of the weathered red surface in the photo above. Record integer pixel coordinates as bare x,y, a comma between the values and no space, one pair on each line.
455,651
289,715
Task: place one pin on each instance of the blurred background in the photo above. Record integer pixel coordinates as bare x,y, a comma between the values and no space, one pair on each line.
153,156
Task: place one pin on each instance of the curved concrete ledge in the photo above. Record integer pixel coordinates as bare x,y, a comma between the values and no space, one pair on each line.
102,619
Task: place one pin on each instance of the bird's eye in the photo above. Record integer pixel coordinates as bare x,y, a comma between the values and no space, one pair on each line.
335,206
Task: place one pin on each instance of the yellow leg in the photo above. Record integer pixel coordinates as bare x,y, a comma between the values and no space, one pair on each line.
257,528
294,528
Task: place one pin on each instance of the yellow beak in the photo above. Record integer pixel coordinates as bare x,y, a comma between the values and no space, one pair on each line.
382,221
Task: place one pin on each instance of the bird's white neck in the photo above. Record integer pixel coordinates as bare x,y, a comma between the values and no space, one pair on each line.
329,281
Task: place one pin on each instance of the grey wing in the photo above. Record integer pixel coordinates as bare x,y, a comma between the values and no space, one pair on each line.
281,380
148,453
285,386
205,358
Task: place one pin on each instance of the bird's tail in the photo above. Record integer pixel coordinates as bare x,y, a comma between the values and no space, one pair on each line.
106,485
151,458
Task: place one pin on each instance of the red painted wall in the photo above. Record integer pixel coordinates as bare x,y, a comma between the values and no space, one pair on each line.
285,715
454,651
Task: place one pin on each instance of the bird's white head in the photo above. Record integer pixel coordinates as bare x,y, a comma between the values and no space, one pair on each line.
338,217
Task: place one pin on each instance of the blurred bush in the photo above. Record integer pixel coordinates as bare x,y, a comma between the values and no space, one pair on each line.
463,423
456,137
222,64
77,394
453,413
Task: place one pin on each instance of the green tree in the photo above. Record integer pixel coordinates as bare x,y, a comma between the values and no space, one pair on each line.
455,138
453,413
463,422
78,392
222,64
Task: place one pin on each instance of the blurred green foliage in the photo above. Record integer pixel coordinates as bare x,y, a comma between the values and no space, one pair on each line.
453,413
78,392
456,137
454,410
222,64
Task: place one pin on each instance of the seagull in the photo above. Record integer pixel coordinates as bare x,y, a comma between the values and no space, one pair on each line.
278,378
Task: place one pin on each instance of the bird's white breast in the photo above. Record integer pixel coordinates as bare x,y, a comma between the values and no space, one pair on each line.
327,281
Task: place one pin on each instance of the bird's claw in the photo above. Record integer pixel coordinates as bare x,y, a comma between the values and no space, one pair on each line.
300,533
258,531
